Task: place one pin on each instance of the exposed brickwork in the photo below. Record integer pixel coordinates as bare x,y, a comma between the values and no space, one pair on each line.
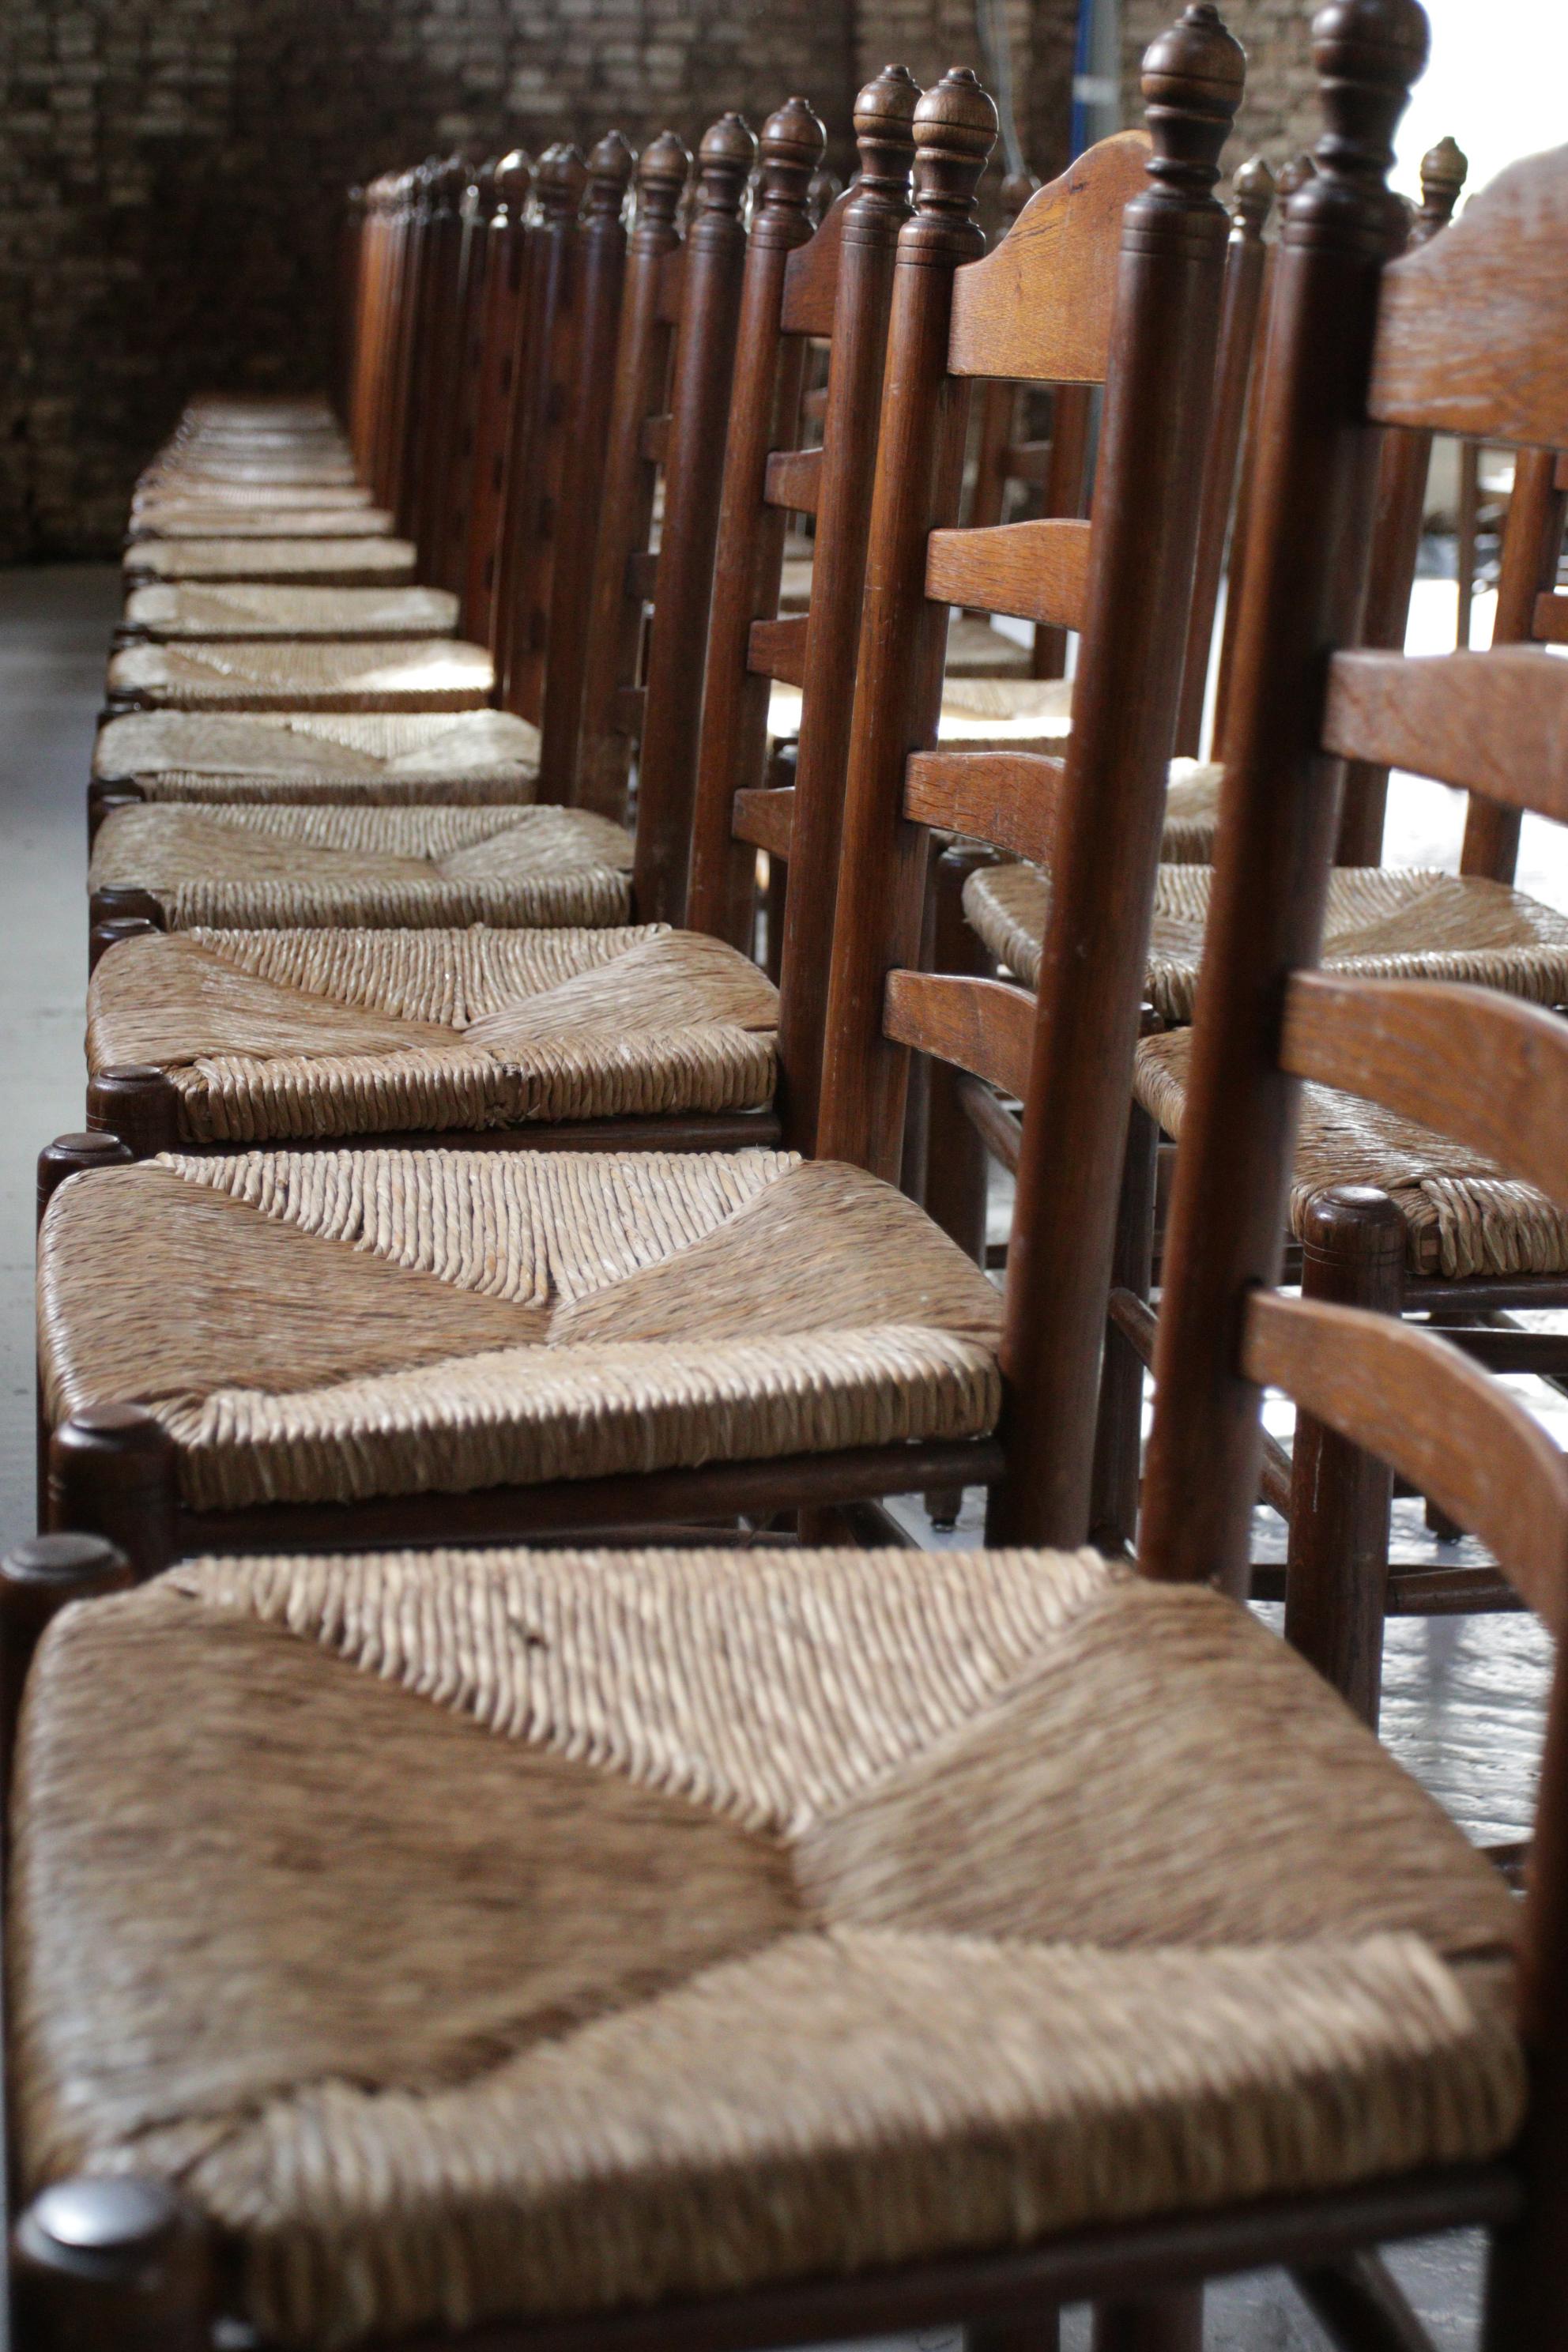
1279,113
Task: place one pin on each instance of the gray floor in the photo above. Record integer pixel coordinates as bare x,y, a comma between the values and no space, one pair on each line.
1462,1697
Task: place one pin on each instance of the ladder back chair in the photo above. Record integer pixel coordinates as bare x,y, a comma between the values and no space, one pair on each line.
506,269
451,555
657,1273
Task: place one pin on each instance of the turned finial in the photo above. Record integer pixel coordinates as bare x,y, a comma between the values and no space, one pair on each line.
448,178
955,131
1367,53
1293,175
1191,80
724,162
1017,187
1251,195
884,136
480,195
1444,169
789,152
561,179
609,167
663,170
514,183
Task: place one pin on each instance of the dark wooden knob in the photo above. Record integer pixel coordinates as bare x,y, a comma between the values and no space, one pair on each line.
955,131
1367,53
1252,195
610,165
1193,77
884,133
1444,169
37,1577
663,169
561,179
514,178
724,162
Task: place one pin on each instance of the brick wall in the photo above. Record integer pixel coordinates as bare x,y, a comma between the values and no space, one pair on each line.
1279,113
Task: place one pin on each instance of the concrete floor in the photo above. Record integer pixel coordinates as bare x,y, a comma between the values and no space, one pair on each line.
1462,1696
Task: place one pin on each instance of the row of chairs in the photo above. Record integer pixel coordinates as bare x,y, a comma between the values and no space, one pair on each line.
757,1925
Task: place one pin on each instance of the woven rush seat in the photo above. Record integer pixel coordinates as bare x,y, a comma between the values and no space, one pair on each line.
335,562
1390,922
240,612
473,755
195,517
185,489
324,1326
516,1935
1464,1215
974,649
269,1035
322,675
264,864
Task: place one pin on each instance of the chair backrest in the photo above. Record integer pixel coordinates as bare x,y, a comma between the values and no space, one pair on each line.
1111,275
506,266
432,424
1466,334
346,318
534,434
1251,196
833,289
624,565
449,555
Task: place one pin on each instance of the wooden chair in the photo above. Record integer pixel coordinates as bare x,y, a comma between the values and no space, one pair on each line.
506,269
450,555
614,1341
800,1949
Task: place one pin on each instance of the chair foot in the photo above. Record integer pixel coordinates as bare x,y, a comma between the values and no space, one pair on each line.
943,1504
101,2262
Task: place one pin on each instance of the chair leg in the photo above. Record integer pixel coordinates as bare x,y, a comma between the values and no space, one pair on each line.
1172,2322
1119,1440
111,1473
1352,1255
137,1103
1360,2306
36,1579
113,2266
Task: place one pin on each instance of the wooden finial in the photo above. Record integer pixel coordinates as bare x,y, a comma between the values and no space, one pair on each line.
1367,53
561,179
1017,187
1444,169
514,183
791,148
609,167
479,196
1251,196
1293,175
884,134
724,162
1193,77
448,183
955,131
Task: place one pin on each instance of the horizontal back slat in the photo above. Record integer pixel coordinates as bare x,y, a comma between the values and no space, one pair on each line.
1007,798
1472,327
1486,1069
1037,308
1494,722
1447,1425
1549,621
777,649
981,1025
795,479
1034,570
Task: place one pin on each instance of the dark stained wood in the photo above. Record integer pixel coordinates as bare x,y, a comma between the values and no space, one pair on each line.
985,1026
613,637
1010,799
765,819
1551,621
1066,494
1490,723
1361,2305
1118,1437
1036,570
505,268
1251,199
136,1103
1532,543
448,560
997,453
777,649
1417,1046
600,273
436,424
699,396
794,478
111,1474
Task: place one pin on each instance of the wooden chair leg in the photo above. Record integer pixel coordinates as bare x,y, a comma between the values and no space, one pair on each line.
111,2263
1526,2306
1172,2322
136,1104
111,1473
1352,1255
1119,1441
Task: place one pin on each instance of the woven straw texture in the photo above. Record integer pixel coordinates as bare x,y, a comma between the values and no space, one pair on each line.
242,612
258,413
336,563
443,674
1389,922
269,1035
974,649
1464,1215
178,487
510,1934
479,756
202,518
325,1326
268,866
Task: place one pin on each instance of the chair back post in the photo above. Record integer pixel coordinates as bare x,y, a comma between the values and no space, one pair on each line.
407,328
1308,538
873,219
1159,384
506,269
765,415
455,510
1251,199
368,355
924,412
436,424
346,318
419,279
1531,545
601,273
537,433
603,751
1402,468
699,396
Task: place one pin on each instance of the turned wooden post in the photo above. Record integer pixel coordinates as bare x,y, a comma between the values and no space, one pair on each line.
113,2265
449,563
112,1472
506,259
37,1579
138,1104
